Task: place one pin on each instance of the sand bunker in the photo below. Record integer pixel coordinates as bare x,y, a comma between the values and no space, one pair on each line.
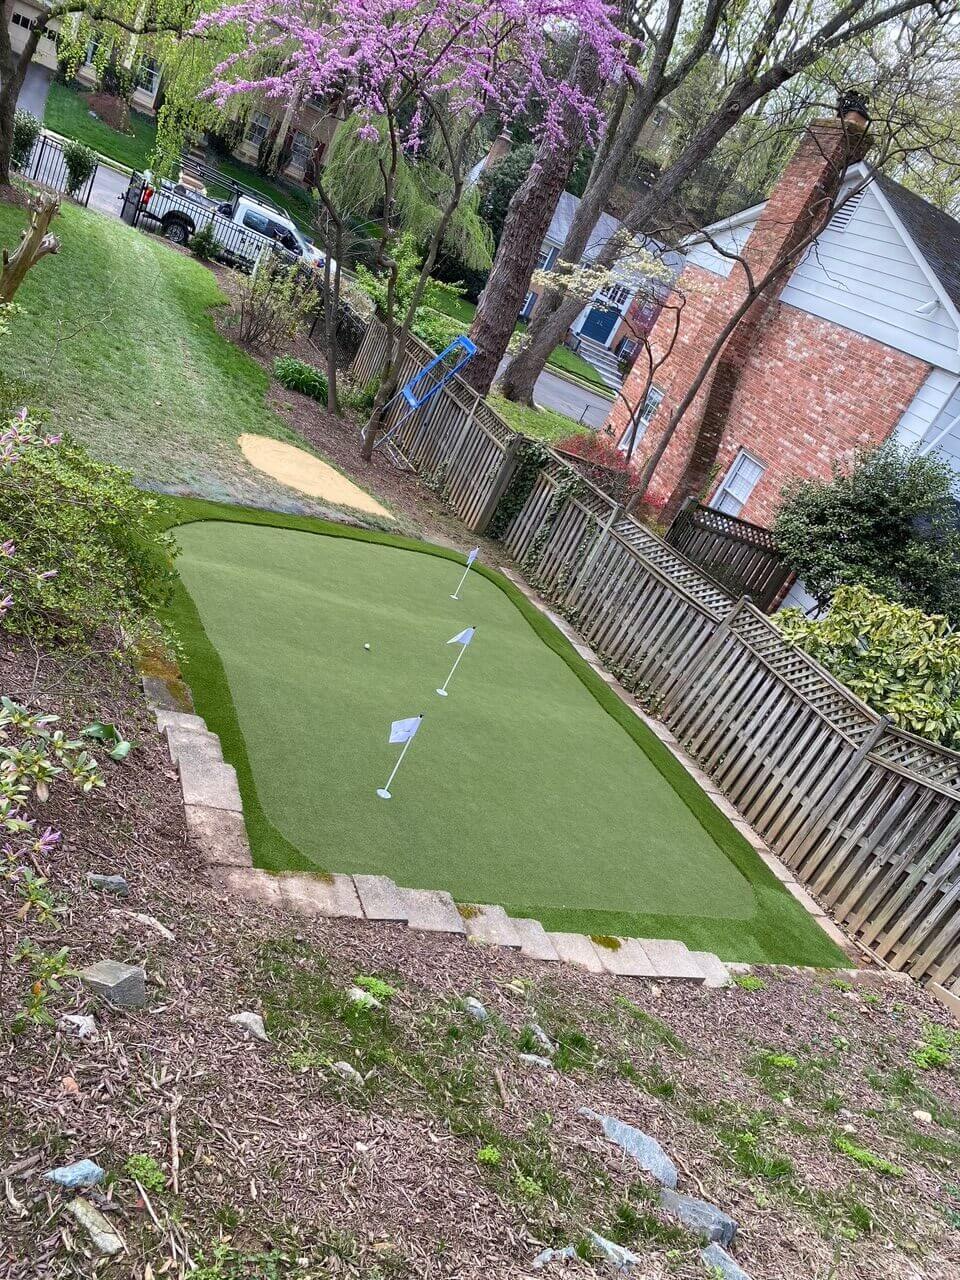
301,470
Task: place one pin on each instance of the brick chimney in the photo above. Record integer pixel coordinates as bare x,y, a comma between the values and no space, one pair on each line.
799,204
501,147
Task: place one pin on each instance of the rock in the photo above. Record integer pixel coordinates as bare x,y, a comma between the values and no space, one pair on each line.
849,1128
251,1022
102,1235
541,1037
647,1152
474,1009
535,1060
109,884
83,1025
150,921
706,1219
615,1254
722,1263
346,1072
554,1255
357,995
82,1173
121,984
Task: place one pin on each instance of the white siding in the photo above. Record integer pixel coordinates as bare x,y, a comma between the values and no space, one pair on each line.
732,238
798,597
865,278
933,419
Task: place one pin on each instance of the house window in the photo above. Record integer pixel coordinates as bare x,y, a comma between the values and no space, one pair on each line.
738,484
20,20
258,129
92,47
638,430
148,76
626,349
301,149
615,295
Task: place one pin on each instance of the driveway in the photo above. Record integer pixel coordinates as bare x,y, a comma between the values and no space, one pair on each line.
34,90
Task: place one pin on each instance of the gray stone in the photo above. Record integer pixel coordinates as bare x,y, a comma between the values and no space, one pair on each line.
198,741
83,1025
535,1060
220,835
208,782
619,1257
251,1022
540,1036
109,884
718,1258
320,895
254,885
346,1072
534,941
82,1173
179,720
159,695
357,995
671,959
432,910
104,1238
715,972
647,1152
492,926
706,1219
577,949
380,898
122,984
554,1255
629,958
474,1009
151,922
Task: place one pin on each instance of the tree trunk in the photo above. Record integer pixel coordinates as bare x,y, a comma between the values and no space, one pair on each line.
526,225
35,243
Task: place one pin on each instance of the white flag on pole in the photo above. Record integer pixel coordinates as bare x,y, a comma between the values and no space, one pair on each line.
403,730
463,637
472,555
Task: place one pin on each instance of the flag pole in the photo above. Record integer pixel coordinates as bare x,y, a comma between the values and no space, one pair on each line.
456,594
443,692
384,792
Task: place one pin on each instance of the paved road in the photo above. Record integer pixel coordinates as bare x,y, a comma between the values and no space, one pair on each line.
34,90
579,403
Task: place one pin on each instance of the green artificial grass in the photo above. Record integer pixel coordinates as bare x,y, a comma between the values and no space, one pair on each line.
68,113
532,785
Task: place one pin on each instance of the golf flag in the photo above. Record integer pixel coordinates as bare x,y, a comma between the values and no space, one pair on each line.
403,730
463,637
472,555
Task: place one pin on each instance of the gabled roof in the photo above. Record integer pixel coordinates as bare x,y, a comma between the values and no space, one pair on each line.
605,226
934,232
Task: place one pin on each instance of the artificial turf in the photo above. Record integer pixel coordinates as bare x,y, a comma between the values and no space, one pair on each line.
531,786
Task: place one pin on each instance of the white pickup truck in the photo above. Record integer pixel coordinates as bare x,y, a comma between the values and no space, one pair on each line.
242,226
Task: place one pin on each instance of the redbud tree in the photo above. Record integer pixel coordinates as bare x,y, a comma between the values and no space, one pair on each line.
418,73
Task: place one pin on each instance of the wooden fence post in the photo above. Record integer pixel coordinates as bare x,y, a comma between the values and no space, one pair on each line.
687,676
499,487
602,534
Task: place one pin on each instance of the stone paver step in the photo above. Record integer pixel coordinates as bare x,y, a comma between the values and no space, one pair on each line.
535,942
715,972
201,743
432,910
179,720
672,959
320,895
220,835
629,959
380,898
576,948
491,925
209,782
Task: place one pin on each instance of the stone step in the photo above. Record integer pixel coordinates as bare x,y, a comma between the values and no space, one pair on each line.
220,835
535,942
208,782
716,973
179,720
629,960
320,895
432,910
490,925
198,741
576,948
380,898
672,959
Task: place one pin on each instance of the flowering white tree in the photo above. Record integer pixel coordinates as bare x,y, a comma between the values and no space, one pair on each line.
414,71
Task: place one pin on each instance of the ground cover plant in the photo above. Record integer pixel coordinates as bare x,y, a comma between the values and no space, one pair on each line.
523,788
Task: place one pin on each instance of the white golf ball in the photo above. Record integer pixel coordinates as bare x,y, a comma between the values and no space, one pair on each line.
366,646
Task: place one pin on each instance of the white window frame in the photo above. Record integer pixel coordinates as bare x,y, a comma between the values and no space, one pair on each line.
638,429
258,128
148,76
21,20
303,154
730,500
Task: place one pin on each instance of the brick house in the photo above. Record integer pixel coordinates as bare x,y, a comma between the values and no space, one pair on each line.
859,342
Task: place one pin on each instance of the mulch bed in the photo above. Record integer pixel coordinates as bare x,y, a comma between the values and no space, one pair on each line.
270,1150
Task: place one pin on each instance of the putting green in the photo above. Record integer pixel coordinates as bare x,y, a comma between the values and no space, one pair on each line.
520,788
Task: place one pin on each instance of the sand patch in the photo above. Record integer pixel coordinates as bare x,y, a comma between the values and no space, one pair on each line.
301,470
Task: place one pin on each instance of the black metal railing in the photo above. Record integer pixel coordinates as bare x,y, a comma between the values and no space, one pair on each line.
47,167
740,557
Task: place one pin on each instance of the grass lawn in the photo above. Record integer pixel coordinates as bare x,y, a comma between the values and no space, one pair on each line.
67,113
117,334
543,424
561,358
531,785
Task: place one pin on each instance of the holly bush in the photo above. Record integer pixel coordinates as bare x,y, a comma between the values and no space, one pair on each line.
902,662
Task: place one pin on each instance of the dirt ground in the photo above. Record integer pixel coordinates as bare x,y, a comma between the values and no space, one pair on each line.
452,1158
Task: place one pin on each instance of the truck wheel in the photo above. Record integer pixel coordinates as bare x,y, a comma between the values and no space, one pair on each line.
177,232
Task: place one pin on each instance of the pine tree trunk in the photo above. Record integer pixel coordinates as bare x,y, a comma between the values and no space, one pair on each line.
8,107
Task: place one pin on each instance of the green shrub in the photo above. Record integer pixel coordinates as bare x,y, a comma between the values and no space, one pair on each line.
146,1171
80,162
938,1047
297,375
866,1159
204,244
436,329
360,399
26,130
99,538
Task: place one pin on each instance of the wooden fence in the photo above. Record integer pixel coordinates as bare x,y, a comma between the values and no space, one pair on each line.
865,815
742,557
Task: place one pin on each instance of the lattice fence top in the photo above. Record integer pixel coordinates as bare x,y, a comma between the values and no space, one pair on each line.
705,593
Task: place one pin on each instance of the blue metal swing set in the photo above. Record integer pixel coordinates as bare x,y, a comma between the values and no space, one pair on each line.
431,379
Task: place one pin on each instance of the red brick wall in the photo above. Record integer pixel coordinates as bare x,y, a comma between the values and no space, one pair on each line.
810,394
